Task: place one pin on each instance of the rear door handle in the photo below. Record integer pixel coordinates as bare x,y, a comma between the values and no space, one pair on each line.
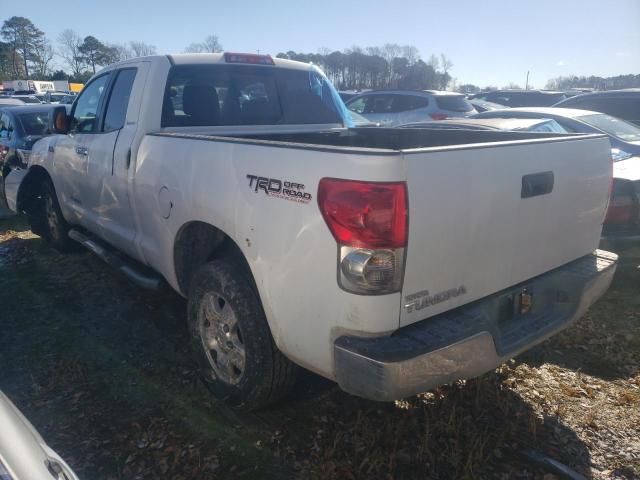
84,151
536,184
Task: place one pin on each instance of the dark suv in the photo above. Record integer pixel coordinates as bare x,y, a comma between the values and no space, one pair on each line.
624,104
522,98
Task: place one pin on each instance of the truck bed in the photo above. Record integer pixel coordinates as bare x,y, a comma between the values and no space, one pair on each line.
383,140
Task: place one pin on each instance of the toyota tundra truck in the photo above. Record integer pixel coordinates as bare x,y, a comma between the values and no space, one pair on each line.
388,260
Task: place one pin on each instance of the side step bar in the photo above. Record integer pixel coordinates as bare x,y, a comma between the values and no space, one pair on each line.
127,267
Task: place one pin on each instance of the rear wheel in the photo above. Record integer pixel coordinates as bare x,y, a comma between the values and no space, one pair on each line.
45,218
231,339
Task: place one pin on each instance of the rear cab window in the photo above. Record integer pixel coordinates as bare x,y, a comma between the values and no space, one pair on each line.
220,95
453,103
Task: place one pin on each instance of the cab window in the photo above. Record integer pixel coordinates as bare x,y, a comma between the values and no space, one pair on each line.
85,114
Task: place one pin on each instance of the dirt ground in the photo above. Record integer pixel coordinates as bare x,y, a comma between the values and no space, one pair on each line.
103,371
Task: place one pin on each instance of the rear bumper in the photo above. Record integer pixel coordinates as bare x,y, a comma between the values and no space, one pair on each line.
473,339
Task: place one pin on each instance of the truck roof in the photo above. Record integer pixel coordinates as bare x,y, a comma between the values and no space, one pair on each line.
212,58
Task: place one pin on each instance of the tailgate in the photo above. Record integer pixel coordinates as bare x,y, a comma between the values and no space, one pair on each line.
486,217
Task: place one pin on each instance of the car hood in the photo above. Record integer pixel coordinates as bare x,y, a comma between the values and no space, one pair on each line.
628,169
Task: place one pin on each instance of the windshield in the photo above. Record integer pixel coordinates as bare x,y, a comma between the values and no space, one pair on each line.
454,103
34,123
219,95
29,99
56,98
613,126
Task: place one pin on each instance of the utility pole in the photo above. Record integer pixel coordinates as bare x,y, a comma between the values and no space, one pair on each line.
526,85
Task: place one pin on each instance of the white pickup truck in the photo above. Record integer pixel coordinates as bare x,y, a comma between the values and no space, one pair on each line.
389,260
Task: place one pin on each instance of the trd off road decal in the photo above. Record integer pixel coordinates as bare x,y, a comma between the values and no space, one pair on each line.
274,187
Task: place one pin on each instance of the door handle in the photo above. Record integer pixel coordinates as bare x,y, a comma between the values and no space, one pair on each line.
84,151
536,184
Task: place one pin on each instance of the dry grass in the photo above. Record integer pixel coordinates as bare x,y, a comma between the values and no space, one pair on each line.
111,385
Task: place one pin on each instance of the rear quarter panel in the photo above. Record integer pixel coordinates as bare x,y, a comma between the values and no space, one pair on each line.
291,253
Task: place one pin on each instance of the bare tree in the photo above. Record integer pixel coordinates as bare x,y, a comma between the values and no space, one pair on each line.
446,63
211,44
42,56
69,50
141,49
120,51
411,53
434,61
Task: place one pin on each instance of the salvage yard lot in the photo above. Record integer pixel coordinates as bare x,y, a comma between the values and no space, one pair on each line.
103,370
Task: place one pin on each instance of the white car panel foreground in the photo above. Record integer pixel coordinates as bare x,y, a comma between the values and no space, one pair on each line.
24,455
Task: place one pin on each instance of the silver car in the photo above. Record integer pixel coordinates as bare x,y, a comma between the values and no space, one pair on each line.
398,107
24,455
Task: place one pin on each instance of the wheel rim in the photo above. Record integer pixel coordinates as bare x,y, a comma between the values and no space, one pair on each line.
52,216
221,338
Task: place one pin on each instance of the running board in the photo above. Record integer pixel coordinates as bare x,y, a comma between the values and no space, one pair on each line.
127,267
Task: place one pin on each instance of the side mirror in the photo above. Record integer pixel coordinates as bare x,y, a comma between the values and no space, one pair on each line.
60,120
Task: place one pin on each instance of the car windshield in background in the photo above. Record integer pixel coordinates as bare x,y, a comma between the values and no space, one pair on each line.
453,103
56,98
34,123
613,126
214,95
29,99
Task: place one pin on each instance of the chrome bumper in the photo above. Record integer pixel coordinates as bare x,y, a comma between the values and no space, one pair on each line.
473,339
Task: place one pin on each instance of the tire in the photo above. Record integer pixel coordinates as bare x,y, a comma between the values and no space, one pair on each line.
231,340
46,220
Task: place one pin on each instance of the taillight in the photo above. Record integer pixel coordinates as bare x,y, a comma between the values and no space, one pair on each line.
622,203
438,116
369,222
620,210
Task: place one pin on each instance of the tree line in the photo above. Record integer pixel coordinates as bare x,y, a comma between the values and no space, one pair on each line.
388,66
26,53
599,83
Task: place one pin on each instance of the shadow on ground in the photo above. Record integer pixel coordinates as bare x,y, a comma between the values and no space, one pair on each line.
607,344
103,370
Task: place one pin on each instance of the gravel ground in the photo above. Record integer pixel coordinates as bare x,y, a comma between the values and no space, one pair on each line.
103,371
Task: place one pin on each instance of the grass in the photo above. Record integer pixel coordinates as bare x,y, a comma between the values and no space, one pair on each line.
103,370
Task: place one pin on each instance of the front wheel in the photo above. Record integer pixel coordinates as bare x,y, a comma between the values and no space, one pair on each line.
231,339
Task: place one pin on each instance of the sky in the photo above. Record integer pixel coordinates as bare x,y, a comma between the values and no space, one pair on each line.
490,42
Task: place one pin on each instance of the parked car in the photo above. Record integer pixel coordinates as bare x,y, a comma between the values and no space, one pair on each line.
236,179
24,455
541,125
10,101
623,216
20,128
624,136
67,99
485,106
624,104
396,107
54,97
27,98
349,94
521,98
